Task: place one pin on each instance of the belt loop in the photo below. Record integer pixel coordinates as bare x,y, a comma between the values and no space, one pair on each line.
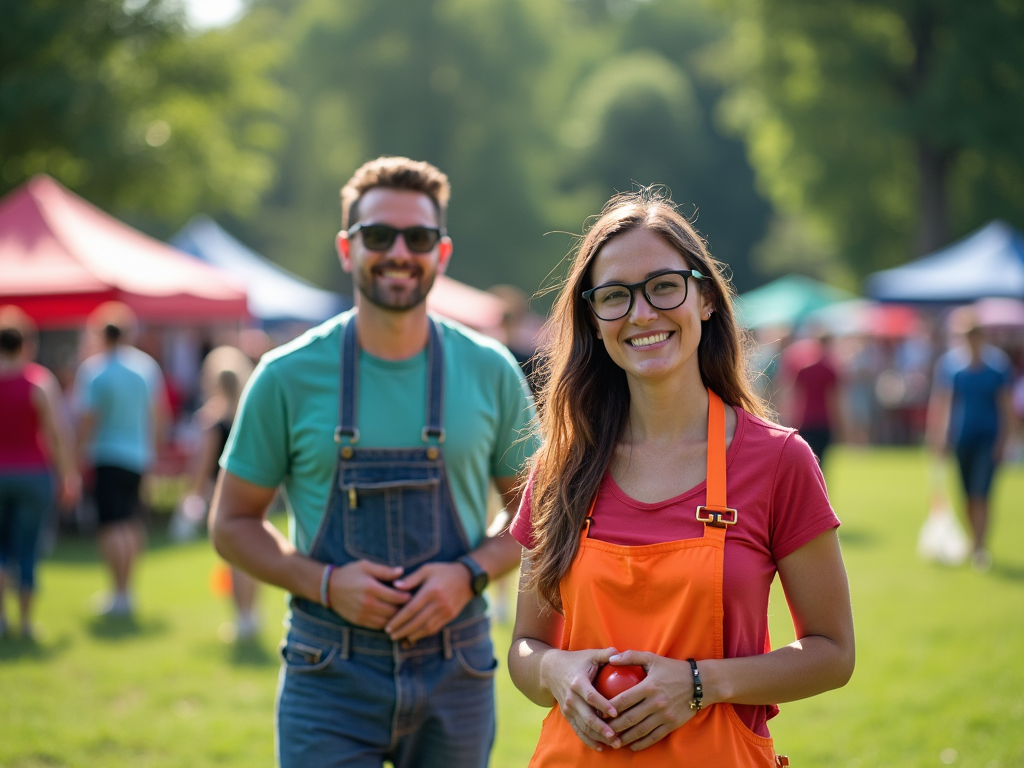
446,643
346,643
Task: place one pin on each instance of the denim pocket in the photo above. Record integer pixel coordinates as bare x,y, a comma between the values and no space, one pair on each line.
477,659
394,522
307,654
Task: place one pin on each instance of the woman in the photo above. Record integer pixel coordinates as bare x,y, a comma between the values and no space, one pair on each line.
656,517
33,433
224,374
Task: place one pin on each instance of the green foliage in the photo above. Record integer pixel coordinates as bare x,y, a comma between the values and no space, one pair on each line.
880,128
938,654
121,104
537,110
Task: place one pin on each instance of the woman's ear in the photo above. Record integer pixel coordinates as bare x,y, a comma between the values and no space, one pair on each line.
707,303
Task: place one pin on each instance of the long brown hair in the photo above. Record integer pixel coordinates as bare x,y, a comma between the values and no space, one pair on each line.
584,403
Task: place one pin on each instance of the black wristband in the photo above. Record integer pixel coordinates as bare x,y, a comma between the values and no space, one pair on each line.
698,688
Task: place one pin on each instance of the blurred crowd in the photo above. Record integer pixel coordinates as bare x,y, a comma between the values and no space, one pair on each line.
83,436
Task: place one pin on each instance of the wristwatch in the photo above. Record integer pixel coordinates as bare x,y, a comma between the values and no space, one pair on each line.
478,578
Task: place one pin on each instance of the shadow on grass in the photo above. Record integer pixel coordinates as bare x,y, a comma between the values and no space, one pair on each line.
1007,572
115,628
857,537
250,653
17,648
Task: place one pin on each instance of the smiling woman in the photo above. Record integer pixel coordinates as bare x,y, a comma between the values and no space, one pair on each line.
660,468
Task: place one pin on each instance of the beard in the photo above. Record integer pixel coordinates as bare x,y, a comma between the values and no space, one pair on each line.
392,299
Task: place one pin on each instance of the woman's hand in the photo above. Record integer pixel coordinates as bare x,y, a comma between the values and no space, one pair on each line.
655,706
569,676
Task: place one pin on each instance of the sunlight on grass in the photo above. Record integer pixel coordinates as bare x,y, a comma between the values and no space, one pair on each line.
939,680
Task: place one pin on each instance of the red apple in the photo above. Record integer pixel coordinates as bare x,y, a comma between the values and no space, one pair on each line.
612,680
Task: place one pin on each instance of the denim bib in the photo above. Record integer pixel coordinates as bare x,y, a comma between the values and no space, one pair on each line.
391,506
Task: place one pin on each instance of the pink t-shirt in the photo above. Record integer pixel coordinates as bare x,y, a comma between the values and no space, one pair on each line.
774,482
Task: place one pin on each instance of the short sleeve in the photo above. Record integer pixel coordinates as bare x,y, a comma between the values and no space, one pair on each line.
83,388
800,507
154,379
515,441
257,449
522,524
943,377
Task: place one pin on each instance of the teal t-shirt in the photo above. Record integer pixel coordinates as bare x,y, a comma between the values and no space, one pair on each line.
120,388
284,431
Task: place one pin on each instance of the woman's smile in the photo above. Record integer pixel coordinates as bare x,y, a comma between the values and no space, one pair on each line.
650,340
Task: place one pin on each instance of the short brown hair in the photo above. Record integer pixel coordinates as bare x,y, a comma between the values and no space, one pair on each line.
16,328
394,173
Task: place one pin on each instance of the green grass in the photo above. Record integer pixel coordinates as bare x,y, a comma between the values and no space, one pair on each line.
940,654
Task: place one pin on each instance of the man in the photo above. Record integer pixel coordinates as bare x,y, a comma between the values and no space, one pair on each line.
122,402
385,426
971,412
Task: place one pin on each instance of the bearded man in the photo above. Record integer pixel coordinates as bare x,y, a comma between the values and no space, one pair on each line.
385,426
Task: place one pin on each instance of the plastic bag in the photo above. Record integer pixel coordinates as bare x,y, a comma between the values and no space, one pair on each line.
941,539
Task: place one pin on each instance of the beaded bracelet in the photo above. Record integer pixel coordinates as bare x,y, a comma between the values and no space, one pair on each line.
325,586
698,688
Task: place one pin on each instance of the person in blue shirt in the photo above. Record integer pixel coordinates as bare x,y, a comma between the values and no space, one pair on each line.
970,413
122,405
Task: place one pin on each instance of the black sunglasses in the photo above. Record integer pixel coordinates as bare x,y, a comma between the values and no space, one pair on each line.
380,237
665,290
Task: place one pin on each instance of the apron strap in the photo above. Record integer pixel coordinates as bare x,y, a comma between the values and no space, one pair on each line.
348,391
716,512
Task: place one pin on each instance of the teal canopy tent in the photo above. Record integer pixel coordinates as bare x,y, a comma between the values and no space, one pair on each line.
786,302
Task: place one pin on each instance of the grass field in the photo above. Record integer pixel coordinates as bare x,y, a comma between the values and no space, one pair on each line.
939,679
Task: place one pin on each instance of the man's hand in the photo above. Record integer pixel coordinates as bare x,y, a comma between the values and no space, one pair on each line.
442,591
360,593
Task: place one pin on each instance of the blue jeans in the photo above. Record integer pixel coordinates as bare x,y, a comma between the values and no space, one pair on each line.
25,502
352,697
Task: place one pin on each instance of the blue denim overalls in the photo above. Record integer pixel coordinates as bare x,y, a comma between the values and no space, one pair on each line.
350,696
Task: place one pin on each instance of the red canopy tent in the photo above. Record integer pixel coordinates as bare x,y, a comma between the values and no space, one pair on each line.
61,257
465,304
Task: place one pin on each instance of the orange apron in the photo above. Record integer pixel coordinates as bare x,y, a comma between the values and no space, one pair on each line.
667,599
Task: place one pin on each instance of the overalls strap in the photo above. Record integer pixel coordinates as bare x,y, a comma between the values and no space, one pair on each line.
435,385
348,392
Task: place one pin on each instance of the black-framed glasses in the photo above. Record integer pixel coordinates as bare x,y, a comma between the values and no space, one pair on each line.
665,290
380,237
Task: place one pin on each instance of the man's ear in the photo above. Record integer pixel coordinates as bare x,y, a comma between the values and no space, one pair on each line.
444,254
343,246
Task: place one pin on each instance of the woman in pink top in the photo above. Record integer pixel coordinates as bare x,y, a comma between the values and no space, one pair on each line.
643,351
30,411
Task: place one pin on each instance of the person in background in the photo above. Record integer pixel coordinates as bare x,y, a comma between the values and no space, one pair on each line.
122,410
33,434
225,372
816,406
971,413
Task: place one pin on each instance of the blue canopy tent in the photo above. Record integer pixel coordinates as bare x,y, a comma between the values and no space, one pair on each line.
275,295
987,263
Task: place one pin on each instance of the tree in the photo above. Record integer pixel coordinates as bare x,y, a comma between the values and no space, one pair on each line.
878,130
537,110
119,102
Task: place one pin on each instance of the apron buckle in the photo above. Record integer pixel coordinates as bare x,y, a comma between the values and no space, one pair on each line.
717,518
